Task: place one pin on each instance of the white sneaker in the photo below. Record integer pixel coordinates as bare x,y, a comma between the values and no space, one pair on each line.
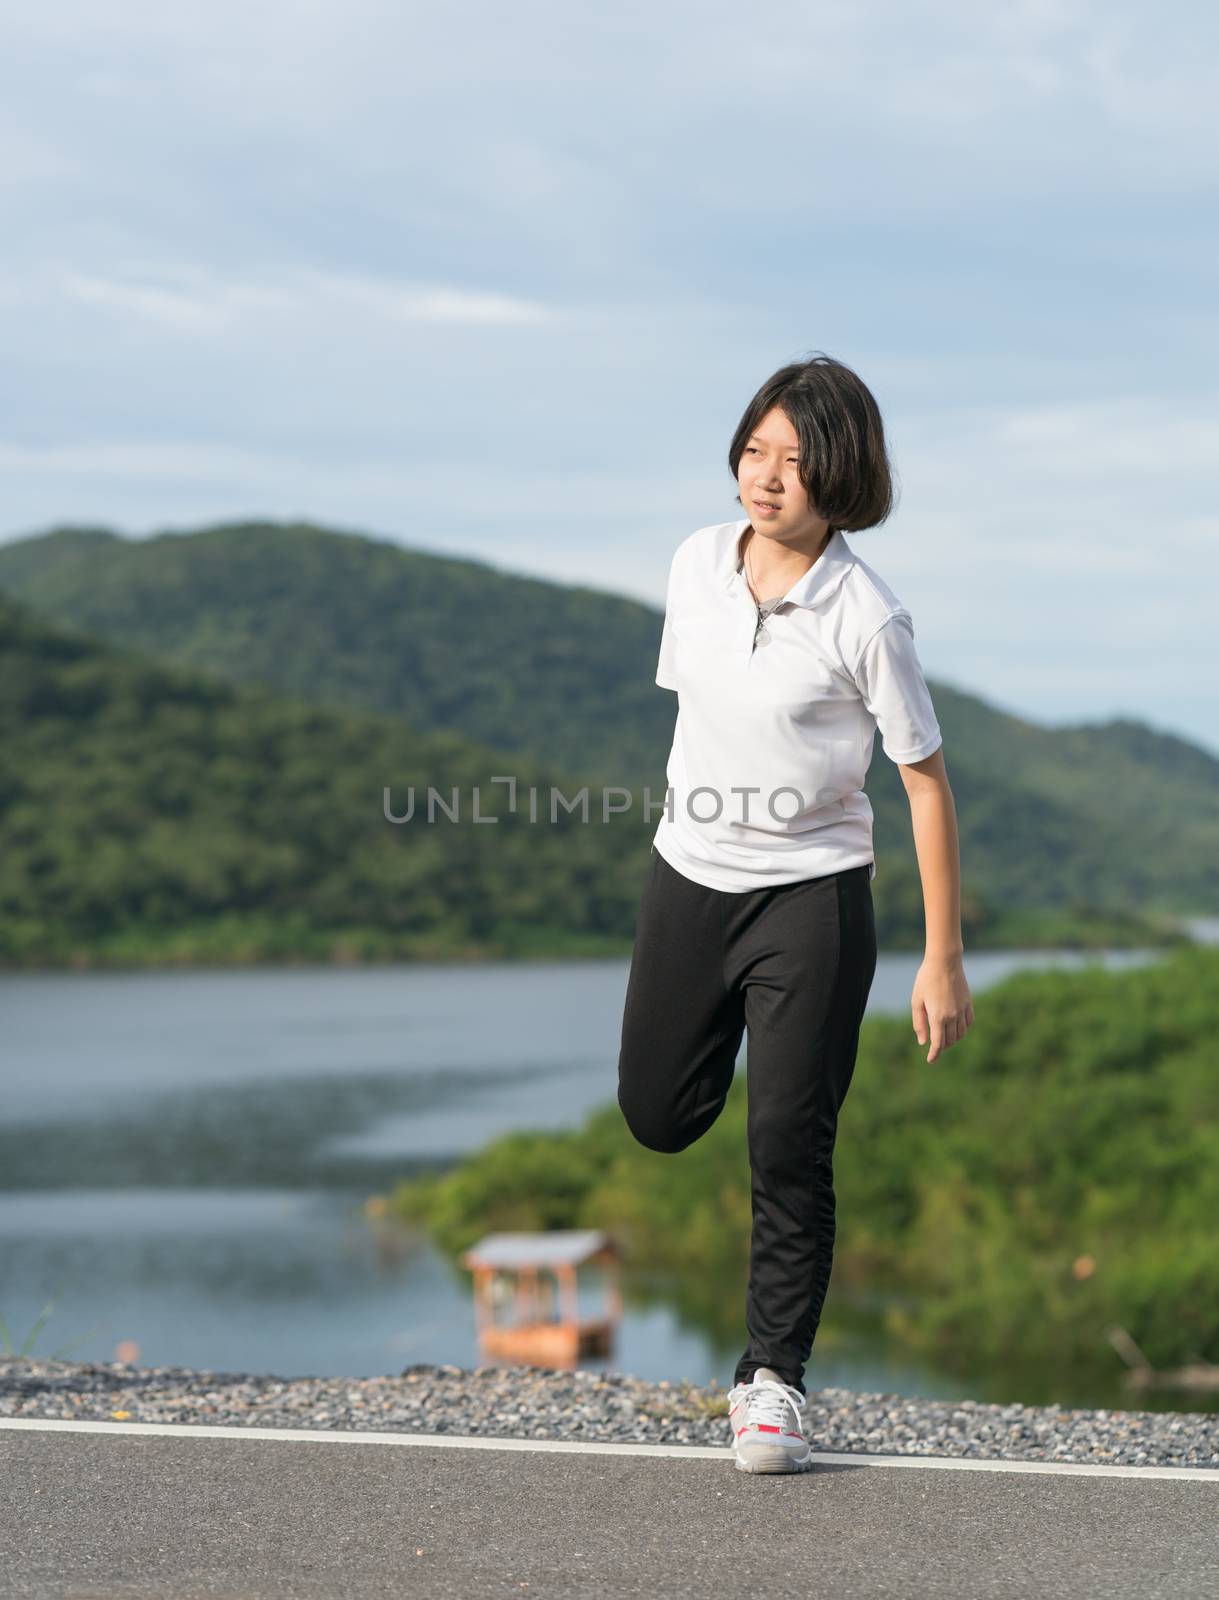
767,1432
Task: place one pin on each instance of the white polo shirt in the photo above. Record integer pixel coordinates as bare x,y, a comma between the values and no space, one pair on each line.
790,723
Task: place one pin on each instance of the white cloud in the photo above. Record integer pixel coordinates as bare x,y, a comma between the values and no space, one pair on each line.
165,463
29,156
405,302
187,300
1130,436
179,306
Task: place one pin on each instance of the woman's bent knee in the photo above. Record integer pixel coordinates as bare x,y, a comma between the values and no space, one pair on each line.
653,1129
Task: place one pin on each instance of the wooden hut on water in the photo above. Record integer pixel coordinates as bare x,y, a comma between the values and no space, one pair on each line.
533,1276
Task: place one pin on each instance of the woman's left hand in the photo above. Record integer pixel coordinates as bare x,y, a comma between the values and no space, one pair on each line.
941,1005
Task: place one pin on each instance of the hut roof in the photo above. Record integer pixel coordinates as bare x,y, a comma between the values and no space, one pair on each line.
556,1247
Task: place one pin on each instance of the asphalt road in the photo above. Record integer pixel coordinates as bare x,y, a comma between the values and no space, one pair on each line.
90,1512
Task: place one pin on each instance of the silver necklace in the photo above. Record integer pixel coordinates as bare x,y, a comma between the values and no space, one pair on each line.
760,635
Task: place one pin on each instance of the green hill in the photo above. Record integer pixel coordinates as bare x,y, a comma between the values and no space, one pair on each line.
528,667
150,814
1055,841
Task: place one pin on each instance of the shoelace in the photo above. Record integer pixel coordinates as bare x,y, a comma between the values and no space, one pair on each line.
768,1401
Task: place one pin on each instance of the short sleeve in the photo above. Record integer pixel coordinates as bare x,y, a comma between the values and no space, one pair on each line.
666,666
890,679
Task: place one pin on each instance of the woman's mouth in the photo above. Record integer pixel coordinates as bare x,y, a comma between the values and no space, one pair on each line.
767,507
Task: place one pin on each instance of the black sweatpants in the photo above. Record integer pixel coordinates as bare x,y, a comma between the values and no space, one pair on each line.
793,963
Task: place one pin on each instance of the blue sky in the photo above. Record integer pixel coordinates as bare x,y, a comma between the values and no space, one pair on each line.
499,281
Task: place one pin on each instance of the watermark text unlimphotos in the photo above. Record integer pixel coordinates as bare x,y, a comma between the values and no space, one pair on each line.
697,807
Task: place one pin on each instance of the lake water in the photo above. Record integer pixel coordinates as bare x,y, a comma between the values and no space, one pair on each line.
184,1157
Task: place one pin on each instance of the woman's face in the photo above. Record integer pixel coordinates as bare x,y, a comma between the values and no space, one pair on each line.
768,475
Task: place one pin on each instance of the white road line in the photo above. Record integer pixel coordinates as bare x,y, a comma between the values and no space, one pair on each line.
450,1441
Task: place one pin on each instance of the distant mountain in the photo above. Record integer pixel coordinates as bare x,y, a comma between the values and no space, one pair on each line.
151,814
1053,822
522,665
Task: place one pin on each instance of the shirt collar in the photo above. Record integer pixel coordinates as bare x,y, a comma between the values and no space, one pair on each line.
818,583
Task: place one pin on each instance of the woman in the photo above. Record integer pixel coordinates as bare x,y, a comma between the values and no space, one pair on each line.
787,653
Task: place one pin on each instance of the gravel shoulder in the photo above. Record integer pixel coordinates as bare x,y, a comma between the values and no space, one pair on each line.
546,1403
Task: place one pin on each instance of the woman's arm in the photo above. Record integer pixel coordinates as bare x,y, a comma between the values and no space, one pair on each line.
941,1005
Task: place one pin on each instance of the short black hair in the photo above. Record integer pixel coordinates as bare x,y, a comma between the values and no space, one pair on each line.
844,465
